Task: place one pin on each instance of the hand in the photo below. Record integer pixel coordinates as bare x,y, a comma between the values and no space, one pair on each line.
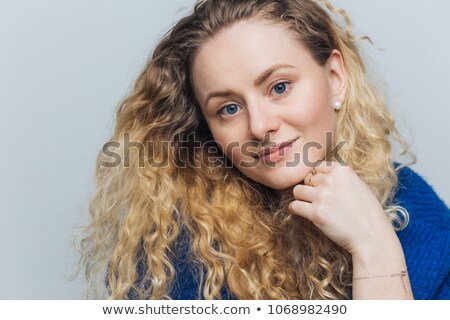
344,208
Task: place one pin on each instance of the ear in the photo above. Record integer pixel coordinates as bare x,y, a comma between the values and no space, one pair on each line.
338,76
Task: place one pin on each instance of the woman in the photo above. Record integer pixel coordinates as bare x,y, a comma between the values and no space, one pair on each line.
255,163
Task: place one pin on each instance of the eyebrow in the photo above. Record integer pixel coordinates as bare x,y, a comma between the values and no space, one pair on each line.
263,77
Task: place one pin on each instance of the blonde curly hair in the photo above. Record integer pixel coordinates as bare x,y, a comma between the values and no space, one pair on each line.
240,233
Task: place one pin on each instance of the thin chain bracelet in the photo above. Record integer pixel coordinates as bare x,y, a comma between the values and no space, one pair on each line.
401,274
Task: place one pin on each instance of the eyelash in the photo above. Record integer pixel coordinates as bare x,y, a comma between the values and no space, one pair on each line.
288,85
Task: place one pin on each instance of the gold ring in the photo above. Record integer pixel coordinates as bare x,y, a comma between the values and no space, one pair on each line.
313,173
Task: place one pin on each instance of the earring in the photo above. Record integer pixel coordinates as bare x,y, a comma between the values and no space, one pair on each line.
337,105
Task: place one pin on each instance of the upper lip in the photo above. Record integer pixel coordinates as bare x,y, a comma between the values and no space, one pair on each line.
274,148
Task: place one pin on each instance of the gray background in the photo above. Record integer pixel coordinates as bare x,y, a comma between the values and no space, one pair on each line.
65,65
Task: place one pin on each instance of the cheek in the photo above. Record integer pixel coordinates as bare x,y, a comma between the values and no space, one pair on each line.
323,123
314,110
228,144
314,117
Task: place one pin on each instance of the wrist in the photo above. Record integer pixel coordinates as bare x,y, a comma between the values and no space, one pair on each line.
376,239
386,257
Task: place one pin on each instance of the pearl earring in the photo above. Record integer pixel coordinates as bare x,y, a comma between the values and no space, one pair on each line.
337,105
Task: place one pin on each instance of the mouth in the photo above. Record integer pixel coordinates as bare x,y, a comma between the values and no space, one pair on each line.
275,153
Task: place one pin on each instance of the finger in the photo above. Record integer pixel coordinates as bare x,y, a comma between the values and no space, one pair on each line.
301,208
304,193
314,180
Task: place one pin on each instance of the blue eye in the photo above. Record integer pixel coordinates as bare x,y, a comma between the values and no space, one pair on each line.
280,88
231,108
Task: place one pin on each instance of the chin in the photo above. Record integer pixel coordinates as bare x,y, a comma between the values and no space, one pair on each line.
283,187
283,182
281,178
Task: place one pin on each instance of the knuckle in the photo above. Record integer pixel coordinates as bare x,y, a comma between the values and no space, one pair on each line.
327,181
329,184
324,194
335,184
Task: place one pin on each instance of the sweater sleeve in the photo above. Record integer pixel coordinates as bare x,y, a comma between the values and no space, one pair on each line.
443,293
426,239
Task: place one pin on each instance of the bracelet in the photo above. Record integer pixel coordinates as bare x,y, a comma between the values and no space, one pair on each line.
401,274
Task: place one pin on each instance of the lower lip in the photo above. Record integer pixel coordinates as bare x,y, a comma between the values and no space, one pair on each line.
278,154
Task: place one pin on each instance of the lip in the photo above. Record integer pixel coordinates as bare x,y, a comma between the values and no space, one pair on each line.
274,153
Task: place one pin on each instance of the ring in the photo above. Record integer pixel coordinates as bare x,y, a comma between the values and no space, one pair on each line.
313,173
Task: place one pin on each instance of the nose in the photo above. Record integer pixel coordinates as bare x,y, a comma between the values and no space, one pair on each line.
262,120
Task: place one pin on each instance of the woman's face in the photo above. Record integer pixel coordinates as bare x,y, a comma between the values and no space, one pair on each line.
258,87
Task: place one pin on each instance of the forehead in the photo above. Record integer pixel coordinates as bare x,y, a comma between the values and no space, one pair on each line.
243,50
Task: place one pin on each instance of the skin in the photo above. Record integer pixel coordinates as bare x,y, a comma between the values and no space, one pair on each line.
303,110
298,108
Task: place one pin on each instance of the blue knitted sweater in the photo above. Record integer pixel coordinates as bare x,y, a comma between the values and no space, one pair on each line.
425,242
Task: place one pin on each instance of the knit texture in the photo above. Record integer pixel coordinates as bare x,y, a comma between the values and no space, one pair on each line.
426,239
425,242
